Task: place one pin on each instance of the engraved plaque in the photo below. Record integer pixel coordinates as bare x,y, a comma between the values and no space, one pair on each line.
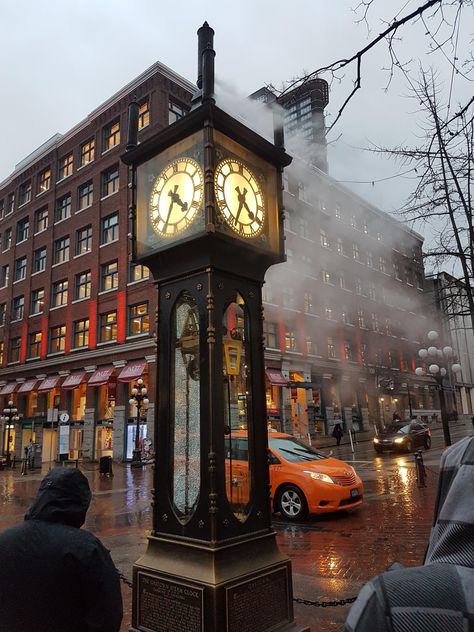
168,605
259,604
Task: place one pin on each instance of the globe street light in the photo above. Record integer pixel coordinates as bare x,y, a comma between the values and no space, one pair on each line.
140,400
438,362
9,416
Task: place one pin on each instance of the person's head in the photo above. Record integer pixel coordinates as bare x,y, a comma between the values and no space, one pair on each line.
64,496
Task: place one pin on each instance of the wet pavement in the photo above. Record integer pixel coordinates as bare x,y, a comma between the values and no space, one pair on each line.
332,555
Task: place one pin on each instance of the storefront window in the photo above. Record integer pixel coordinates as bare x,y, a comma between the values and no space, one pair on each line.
185,389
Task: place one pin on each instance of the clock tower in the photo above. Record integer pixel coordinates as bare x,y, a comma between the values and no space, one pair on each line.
206,217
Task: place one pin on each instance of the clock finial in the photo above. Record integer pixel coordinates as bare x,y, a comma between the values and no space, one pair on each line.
205,39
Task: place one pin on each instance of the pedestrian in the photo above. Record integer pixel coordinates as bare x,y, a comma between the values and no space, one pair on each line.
31,454
337,433
438,595
55,576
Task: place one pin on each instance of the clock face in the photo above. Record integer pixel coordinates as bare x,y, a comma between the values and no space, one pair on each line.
239,197
176,197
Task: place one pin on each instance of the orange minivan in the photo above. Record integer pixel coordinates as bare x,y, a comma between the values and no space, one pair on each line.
302,479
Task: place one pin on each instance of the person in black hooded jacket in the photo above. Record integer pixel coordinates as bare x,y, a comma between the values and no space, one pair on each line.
55,576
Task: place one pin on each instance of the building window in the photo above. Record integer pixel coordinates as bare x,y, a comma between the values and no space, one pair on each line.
372,291
348,351
388,327
110,181
324,239
342,281
397,271
144,114
175,112
290,340
10,203
59,293
308,304
270,334
379,236
15,346
310,345
65,166
328,313
81,333
353,221
419,280
109,229
108,327
109,276
370,259
304,228
39,260
41,219
137,272
57,339
267,294
2,207
365,226
63,208
34,344
7,239
3,314
111,136
83,240
22,230
355,252
24,193
20,269
82,285
37,301
44,180
4,275
61,250
358,286
84,196
346,315
409,275
379,357
2,347
18,307
331,348
87,152
288,297
375,321
138,319
382,264
361,318
326,277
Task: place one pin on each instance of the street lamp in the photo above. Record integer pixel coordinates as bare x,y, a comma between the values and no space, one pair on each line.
437,362
140,400
9,416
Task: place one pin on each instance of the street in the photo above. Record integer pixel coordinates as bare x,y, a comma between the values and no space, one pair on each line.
332,555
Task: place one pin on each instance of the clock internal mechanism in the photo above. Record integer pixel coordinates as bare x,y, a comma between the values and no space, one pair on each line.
176,197
239,197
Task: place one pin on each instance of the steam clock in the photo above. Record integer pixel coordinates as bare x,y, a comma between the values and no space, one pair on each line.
206,219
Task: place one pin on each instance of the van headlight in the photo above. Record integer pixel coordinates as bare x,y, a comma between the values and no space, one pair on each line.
399,440
376,440
317,476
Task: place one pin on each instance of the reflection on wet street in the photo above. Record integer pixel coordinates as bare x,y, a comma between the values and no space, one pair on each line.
332,555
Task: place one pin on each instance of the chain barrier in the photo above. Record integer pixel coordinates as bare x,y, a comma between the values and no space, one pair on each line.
304,602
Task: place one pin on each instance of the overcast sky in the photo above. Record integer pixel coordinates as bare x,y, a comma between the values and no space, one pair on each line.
62,58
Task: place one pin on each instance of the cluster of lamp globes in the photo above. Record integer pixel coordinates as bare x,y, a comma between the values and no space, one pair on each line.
433,354
10,414
138,392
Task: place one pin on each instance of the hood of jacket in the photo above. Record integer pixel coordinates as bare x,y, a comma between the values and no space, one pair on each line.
64,496
452,535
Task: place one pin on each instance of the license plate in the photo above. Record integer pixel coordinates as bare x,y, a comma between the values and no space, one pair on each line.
354,492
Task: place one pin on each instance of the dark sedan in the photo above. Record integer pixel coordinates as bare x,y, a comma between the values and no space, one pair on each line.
404,437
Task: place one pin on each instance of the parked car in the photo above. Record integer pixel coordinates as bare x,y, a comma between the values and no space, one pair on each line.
403,436
302,479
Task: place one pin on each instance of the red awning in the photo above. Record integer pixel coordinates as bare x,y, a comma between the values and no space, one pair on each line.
48,384
132,371
27,386
276,377
73,380
100,376
8,388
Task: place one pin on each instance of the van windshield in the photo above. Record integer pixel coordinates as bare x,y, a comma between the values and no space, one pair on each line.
293,450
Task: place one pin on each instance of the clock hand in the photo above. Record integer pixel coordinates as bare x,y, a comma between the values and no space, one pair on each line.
175,198
243,204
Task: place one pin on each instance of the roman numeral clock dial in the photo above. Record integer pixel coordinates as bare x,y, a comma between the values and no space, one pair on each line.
176,197
239,197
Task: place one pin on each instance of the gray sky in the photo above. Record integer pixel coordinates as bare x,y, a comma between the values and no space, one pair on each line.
61,59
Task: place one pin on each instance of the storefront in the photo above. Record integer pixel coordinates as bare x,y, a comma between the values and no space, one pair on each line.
104,404
133,371
274,383
9,430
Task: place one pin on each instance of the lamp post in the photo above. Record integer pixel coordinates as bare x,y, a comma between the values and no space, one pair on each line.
9,416
437,362
140,400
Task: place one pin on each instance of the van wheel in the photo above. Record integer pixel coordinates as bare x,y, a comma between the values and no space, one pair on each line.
427,443
291,503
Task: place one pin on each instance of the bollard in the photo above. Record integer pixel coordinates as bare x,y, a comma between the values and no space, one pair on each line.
420,469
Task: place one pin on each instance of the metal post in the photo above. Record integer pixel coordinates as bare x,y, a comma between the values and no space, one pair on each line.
409,400
444,415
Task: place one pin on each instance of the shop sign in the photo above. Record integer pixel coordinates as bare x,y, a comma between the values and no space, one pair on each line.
64,438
